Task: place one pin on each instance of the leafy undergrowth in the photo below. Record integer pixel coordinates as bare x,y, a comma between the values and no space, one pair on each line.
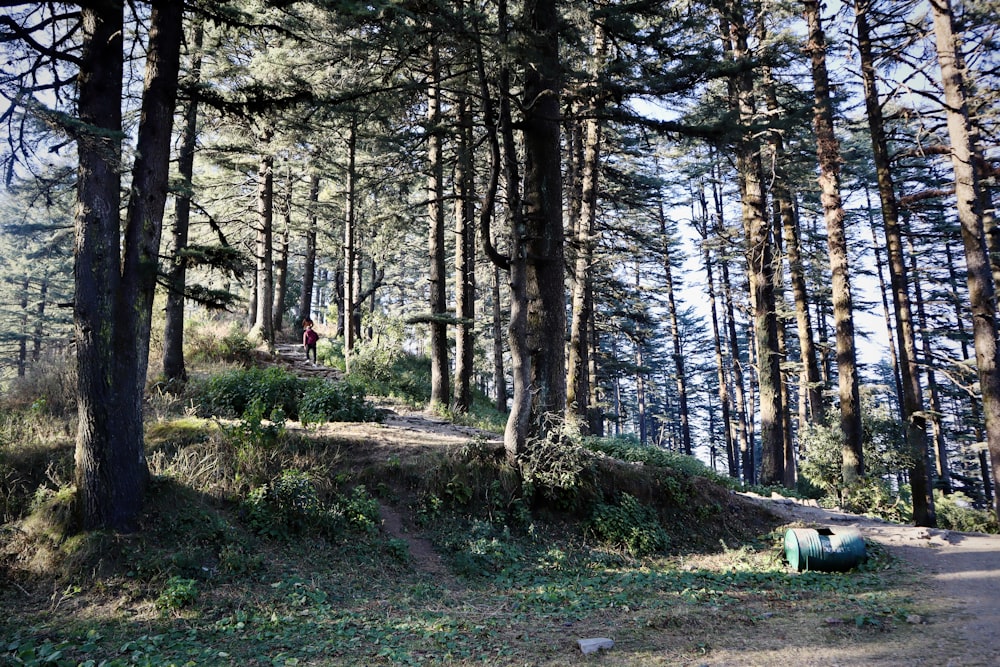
206,582
359,602
261,544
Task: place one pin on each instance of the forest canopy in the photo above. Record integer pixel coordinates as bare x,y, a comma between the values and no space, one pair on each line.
755,233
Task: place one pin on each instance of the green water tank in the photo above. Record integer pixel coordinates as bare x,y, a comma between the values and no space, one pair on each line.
824,549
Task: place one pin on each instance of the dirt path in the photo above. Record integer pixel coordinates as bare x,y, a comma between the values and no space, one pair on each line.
963,571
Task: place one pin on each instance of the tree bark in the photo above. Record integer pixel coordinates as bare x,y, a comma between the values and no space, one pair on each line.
435,245
263,326
350,253
465,260
577,379
912,395
732,456
828,154
975,410
115,274
541,247
760,261
39,332
595,415
940,447
887,313
309,261
742,430
537,328
811,407
173,331
970,216
499,378
675,335
22,338
281,263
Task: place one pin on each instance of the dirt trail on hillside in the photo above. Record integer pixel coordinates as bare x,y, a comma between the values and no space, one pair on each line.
963,571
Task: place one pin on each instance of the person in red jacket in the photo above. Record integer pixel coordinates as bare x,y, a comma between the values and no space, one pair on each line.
309,338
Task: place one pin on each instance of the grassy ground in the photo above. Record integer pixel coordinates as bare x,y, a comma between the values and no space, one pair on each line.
198,585
264,545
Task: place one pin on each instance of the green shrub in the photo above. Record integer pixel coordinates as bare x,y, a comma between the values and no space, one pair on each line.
628,448
271,392
629,525
955,512
357,512
204,345
290,505
179,592
257,428
485,550
380,365
335,402
885,454
237,559
232,393
558,471
404,376
874,496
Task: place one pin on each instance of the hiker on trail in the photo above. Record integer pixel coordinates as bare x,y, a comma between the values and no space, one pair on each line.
309,338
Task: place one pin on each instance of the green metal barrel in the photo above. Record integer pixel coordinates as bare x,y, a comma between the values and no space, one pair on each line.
824,549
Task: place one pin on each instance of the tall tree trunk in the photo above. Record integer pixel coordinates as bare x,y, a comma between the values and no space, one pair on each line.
22,339
173,331
743,438
499,378
465,261
732,456
309,261
828,154
577,379
760,260
595,415
640,396
43,295
974,407
435,213
538,315
984,470
811,408
617,389
281,263
779,298
350,253
115,274
263,326
887,315
940,447
252,304
111,471
339,293
812,384
499,127
675,335
970,215
782,208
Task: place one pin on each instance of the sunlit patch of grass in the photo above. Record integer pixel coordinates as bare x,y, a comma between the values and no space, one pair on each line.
177,433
